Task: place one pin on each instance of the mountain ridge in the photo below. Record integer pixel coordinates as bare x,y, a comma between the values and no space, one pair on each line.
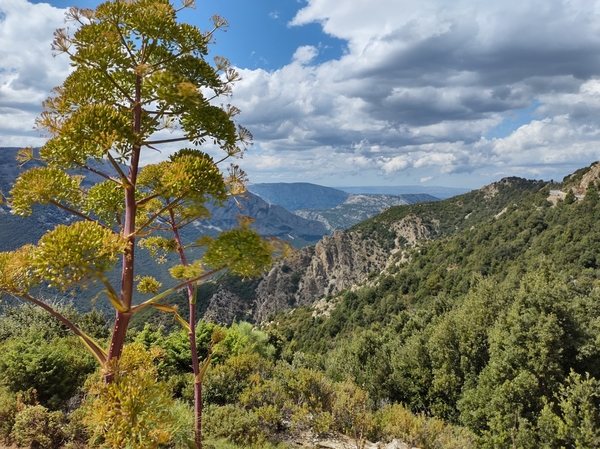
349,258
360,207
299,195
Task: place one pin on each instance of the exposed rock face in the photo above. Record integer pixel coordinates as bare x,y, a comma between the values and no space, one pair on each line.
339,261
490,191
226,307
336,263
591,176
411,229
277,289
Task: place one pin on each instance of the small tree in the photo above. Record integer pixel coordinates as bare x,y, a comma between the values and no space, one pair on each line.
138,74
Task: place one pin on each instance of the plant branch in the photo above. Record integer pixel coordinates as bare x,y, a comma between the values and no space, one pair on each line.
166,293
157,214
99,173
119,170
224,159
124,42
78,214
146,199
118,86
176,139
172,58
88,341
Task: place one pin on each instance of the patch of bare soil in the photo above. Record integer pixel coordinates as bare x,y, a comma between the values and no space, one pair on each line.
337,441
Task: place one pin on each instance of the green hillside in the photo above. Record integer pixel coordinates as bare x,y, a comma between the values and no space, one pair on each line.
493,325
483,334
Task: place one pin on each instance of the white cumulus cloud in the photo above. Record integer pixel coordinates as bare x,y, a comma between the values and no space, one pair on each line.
305,54
425,90
28,71
426,81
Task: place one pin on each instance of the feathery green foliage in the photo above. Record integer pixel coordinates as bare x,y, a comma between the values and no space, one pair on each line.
137,72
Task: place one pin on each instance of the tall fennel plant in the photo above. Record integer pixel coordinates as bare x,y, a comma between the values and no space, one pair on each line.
141,80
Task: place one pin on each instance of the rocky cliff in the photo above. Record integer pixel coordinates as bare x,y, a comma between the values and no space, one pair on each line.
347,259
336,263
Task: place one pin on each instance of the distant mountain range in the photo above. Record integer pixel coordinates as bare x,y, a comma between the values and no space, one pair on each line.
299,195
358,208
317,210
303,195
437,191
335,208
271,219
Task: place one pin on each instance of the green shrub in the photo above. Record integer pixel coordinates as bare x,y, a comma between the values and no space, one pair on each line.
242,338
225,382
351,411
183,418
235,424
575,420
395,421
75,431
223,443
55,368
8,410
300,397
28,320
309,387
36,427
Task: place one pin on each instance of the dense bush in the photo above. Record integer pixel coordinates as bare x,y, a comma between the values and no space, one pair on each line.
233,423
38,428
8,410
54,368
29,321
396,422
135,409
251,397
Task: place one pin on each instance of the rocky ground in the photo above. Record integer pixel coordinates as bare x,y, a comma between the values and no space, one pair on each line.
306,440
329,442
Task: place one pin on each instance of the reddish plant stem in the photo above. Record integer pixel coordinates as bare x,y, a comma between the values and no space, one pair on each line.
192,337
197,381
122,319
117,342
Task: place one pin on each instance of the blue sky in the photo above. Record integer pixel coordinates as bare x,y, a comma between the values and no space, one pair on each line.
513,120
373,92
259,35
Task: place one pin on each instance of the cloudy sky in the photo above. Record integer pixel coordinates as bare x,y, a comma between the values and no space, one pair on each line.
373,92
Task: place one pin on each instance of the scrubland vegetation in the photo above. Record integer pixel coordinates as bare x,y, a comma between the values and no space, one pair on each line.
52,395
494,327
487,337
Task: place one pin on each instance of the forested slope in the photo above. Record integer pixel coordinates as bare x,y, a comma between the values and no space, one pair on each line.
493,325
479,314
352,257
